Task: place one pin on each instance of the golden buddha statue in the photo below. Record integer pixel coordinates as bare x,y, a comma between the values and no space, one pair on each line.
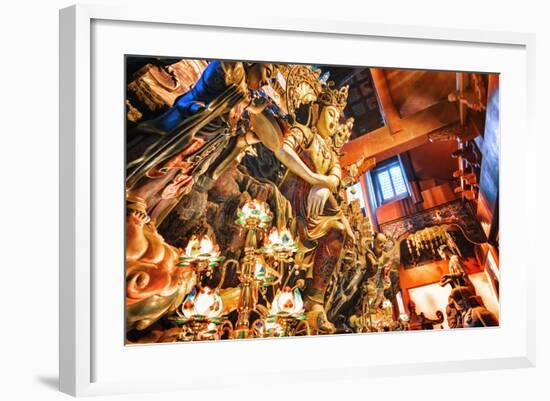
321,224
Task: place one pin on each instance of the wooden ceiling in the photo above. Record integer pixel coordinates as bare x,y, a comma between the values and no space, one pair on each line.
414,105
413,91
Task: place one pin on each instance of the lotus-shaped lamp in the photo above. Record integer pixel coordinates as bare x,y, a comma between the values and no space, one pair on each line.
263,273
201,250
201,304
254,214
274,329
279,242
260,270
287,302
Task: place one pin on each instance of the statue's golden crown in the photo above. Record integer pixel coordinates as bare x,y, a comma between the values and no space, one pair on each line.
334,97
304,86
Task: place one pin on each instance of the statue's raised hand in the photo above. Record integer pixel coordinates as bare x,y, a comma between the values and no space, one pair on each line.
317,198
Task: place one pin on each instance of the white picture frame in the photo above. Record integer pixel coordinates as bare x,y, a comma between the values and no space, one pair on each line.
90,359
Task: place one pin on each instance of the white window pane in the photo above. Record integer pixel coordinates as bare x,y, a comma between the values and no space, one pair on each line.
385,185
398,181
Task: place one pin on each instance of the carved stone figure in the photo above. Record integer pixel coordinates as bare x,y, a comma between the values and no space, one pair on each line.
383,257
419,321
471,309
465,308
457,276
354,268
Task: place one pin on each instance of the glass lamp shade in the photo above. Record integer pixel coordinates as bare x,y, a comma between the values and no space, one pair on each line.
274,329
201,249
287,302
279,241
260,270
203,303
263,273
269,328
254,213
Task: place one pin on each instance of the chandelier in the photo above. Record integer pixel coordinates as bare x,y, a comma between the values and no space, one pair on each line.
267,306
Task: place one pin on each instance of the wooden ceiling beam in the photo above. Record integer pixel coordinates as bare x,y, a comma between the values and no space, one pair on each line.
382,143
389,112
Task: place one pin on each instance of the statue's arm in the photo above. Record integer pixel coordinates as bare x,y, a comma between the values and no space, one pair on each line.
265,131
284,150
288,156
334,177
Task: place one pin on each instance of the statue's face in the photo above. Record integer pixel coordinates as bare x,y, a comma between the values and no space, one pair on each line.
380,242
327,125
260,75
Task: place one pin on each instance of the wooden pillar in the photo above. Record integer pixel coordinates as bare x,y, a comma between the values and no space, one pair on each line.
387,107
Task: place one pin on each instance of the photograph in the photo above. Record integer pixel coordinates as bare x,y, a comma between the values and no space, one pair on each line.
269,199
265,201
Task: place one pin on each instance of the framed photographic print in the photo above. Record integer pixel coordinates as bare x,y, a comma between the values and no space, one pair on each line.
289,196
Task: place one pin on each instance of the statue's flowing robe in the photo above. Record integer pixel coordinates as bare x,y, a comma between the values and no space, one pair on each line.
321,237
